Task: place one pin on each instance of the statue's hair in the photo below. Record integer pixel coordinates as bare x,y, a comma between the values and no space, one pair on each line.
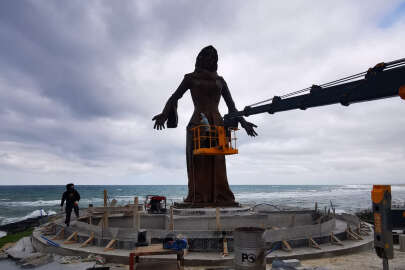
207,59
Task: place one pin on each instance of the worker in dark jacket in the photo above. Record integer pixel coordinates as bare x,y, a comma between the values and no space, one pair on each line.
72,198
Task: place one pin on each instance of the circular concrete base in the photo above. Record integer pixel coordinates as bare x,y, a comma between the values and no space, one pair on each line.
223,211
183,205
202,258
209,258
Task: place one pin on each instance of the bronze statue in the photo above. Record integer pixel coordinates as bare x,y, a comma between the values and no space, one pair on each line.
207,180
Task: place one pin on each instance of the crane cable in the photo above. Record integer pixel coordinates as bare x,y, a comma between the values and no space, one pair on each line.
387,66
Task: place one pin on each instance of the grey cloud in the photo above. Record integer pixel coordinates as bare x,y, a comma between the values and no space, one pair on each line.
80,81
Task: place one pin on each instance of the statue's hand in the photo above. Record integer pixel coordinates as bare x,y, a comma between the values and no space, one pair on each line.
249,127
160,120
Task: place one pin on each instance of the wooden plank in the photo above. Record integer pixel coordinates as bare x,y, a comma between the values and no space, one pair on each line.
71,239
225,245
136,217
109,247
292,222
105,219
286,246
352,235
171,223
334,240
59,235
313,243
105,198
85,243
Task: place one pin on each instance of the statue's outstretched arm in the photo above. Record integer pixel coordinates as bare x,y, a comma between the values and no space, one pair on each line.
171,104
226,94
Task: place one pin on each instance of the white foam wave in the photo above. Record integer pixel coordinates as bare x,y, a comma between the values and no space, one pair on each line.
359,186
31,203
397,188
124,197
44,203
2,234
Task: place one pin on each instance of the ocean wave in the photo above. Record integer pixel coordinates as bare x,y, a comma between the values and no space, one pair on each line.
44,203
359,186
33,214
30,203
397,188
2,234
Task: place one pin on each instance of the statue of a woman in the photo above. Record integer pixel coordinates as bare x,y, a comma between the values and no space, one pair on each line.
207,180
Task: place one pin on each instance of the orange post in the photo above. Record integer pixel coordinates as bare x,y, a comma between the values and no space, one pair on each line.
401,92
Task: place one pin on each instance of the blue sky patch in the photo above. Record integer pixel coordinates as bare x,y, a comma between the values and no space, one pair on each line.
394,16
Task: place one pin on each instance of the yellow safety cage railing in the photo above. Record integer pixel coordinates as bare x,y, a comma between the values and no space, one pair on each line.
214,140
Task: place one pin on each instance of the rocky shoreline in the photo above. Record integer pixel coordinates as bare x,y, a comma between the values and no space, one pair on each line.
26,224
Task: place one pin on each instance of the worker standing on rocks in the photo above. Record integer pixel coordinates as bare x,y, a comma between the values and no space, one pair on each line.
72,198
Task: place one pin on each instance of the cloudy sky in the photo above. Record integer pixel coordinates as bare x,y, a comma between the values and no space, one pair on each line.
81,80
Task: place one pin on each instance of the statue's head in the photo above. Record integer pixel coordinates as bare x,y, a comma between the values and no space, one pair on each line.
207,59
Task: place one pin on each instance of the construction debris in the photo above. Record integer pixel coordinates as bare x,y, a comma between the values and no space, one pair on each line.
77,259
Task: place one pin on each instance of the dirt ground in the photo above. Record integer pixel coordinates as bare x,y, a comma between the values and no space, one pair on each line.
358,261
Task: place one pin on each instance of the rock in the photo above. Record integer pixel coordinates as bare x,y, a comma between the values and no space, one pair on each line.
7,246
23,225
3,255
281,265
22,249
292,262
35,260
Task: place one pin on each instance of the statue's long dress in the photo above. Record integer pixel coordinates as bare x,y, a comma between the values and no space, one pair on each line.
207,180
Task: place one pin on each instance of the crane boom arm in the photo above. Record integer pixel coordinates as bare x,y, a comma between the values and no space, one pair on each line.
378,83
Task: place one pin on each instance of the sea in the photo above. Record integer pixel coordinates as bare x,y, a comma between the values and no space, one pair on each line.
22,202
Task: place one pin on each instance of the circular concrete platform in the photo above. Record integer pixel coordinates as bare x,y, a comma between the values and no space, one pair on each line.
199,258
211,211
297,237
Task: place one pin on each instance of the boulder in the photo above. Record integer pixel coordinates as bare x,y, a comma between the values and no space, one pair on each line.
22,249
35,260
3,255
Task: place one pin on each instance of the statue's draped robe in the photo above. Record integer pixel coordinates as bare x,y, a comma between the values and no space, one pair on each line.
207,180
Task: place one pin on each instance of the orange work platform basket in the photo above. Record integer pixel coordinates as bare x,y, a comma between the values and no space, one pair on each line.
214,140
